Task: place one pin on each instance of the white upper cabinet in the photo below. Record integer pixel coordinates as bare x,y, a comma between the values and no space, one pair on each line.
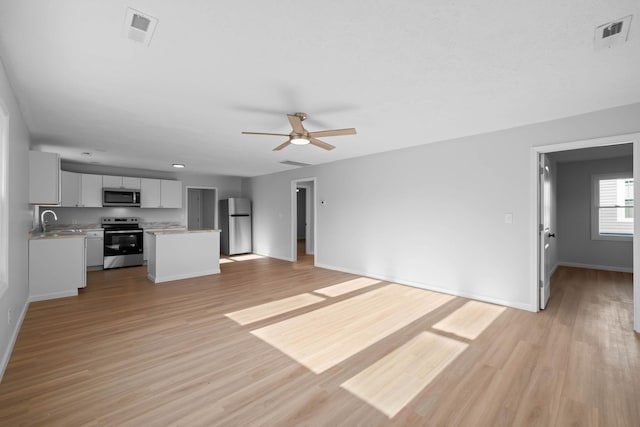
149,193
170,194
128,182
81,190
160,193
90,191
44,178
70,185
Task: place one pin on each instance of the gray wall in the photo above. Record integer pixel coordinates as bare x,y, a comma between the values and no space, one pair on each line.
20,213
227,187
432,215
575,246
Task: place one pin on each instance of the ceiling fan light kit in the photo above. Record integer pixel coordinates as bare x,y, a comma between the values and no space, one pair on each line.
300,136
298,140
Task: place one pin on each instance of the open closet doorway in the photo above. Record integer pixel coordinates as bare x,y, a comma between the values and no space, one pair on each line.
303,215
202,208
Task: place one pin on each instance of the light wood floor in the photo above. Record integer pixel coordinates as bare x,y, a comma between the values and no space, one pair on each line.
127,352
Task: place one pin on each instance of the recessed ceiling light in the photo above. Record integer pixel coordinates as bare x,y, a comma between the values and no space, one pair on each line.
178,165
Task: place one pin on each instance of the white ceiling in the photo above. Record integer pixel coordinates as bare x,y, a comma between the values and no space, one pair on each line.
402,73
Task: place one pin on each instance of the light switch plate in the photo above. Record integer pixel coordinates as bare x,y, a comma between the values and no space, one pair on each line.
508,218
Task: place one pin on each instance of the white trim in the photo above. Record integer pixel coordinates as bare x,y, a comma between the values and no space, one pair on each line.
162,279
12,341
275,257
293,238
587,143
595,267
53,295
512,304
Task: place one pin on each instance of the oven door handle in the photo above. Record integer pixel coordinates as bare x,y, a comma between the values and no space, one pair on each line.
123,231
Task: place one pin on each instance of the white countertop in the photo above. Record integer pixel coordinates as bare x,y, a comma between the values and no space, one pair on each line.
56,234
160,233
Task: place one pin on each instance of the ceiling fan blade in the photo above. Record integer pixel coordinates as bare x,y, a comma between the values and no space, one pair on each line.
296,124
281,146
320,144
334,132
265,133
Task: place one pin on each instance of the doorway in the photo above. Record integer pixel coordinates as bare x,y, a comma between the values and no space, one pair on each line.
202,208
537,240
303,215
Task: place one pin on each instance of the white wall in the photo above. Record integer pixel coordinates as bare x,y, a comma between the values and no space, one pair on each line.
432,215
574,217
227,187
15,297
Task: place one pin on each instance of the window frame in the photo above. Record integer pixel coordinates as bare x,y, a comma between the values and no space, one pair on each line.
595,214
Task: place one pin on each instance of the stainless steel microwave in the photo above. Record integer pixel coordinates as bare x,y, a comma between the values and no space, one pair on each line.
120,197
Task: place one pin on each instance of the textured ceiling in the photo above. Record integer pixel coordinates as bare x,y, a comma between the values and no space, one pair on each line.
402,73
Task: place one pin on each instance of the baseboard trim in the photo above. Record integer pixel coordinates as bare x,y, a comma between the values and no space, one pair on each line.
595,267
12,341
483,298
54,295
274,257
162,279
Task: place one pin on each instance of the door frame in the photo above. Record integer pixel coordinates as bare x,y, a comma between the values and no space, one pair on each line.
215,207
313,230
535,217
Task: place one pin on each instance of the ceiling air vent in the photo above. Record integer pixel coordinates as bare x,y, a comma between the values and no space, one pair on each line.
612,33
292,163
139,27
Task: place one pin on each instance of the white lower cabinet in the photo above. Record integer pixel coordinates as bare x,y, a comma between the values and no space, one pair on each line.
57,267
95,248
146,239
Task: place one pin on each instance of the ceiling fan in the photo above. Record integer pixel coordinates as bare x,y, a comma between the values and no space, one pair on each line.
300,136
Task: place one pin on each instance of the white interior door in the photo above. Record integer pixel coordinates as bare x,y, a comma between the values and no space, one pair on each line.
545,230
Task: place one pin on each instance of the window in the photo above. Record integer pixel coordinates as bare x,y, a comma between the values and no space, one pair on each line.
612,207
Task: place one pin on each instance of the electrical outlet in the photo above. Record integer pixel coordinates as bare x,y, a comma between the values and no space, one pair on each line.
9,316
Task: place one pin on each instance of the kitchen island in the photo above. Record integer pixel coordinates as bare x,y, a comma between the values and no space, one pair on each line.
181,254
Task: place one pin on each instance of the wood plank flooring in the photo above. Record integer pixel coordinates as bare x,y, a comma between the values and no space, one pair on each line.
128,352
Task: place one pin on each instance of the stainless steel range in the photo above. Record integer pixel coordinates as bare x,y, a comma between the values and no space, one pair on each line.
123,239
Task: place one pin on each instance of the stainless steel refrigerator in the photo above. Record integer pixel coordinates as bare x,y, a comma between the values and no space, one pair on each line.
235,224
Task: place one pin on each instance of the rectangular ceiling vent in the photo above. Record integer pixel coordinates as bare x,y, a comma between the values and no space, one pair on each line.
292,163
139,27
612,33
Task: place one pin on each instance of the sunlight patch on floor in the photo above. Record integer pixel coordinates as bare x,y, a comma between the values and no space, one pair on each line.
325,337
346,287
470,320
247,257
225,260
393,381
273,308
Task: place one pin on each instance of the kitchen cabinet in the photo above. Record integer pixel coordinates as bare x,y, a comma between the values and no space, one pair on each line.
170,194
56,267
160,193
146,239
44,178
95,248
81,190
128,182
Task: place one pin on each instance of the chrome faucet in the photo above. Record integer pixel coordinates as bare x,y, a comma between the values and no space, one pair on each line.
44,224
